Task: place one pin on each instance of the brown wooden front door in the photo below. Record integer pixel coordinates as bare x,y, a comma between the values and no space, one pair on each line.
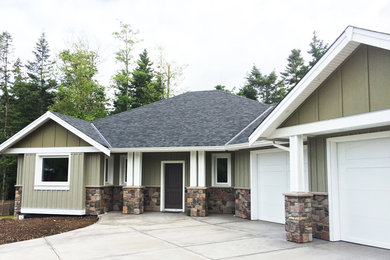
173,186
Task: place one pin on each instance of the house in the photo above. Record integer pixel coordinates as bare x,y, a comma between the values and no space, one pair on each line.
319,161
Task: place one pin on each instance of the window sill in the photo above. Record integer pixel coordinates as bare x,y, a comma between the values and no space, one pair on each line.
51,187
220,185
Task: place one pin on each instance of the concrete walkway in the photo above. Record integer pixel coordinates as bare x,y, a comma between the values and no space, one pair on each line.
176,236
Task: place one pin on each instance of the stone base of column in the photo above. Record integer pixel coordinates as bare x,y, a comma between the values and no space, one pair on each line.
18,201
94,202
320,215
196,202
133,200
298,217
243,203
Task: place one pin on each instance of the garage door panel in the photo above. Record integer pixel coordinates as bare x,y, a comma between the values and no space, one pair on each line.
366,178
364,191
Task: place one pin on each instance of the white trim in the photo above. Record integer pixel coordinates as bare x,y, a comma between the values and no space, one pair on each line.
122,169
193,169
50,185
137,169
52,211
43,119
355,122
214,171
348,41
232,147
162,191
201,169
130,169
297,165
110,177
80,149
333,185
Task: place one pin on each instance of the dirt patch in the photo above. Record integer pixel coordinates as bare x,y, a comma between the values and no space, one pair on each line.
18,230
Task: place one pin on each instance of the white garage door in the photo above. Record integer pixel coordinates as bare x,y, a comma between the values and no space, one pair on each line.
273,179
364,191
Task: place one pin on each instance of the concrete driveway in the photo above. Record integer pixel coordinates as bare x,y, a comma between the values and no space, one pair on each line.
176,236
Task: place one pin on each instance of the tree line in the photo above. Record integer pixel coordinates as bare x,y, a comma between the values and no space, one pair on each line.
271,88
65,82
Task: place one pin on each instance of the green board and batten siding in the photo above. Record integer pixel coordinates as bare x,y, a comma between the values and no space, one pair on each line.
242,169
94,170
74,198
360,85
51,134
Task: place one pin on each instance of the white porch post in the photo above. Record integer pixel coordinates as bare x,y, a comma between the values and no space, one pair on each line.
137,169
130,169
201,169
297,170
193,169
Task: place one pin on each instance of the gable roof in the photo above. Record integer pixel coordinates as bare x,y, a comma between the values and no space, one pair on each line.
80,128
337,53
202,118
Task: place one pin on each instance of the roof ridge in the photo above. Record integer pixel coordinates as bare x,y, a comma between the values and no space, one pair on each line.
101,136
251,123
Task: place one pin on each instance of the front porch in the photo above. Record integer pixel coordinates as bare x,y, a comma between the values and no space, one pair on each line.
173,181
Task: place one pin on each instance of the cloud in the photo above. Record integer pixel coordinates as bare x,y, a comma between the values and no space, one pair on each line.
218,40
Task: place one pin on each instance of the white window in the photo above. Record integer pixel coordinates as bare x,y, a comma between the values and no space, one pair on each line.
123,169
221,169
52,172
109,170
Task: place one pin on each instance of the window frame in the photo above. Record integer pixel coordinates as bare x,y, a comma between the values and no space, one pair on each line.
214,171
110,168
50,185
123,169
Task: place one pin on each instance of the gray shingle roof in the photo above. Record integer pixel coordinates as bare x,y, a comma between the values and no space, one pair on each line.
83,126
202,118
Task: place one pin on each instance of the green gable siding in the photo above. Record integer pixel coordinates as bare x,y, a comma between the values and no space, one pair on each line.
51,134
360,85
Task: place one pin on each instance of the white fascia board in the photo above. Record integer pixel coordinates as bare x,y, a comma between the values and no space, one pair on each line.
78,149
193,148
43,119
338,52
355,122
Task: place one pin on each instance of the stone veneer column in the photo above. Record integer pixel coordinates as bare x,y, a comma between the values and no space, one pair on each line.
133,200
243,203
18,200
320,215
196,201
94,203
298,217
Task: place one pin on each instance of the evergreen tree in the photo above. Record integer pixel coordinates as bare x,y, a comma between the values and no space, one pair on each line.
123,80
224,88
146,89
79,95
5,105
40,73
295,69
317,49
248,92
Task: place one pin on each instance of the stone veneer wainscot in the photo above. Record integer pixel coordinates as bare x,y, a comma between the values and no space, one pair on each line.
18,200
196,202
133,200
221,200
243,203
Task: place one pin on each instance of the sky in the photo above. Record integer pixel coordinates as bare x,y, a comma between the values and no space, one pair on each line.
217,41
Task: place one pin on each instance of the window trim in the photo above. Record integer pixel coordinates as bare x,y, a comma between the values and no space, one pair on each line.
110,179
50,185
122,171
214,158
